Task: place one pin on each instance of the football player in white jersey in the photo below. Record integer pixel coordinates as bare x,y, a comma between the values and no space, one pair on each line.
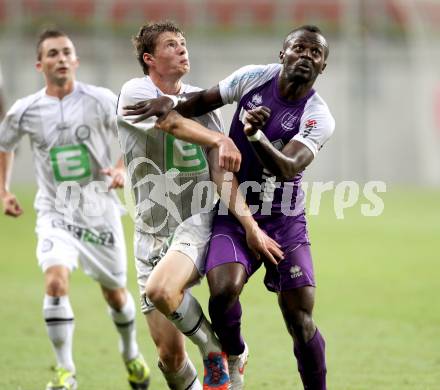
78,214
169,174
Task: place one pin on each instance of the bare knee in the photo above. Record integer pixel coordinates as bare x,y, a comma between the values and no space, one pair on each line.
300,325
57,281
163,297
226,294
115,298
56,287
226,283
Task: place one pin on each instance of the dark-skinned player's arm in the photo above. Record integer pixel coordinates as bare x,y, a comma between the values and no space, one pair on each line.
260,244
188,105
295,156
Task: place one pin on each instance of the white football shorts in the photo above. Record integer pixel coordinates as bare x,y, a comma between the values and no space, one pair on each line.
191,238
100,251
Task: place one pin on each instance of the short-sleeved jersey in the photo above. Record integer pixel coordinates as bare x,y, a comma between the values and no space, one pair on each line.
307,120
170,177
69,140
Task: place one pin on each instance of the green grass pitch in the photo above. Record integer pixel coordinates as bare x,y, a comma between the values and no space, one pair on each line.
377,305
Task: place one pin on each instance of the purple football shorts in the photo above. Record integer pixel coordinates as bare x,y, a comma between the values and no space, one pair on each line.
228,245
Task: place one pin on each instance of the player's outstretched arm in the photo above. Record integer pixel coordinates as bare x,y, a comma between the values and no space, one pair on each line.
189,105
10,204
117,174
284,164
229,157
260,244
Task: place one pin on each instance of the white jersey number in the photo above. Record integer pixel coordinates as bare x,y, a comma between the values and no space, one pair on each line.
268,186
270,183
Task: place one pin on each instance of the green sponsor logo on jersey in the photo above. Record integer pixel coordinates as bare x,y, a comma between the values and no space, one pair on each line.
184,156
70,162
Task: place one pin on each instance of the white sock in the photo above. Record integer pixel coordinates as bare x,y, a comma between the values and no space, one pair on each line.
125,324
191,321
184,379
58,315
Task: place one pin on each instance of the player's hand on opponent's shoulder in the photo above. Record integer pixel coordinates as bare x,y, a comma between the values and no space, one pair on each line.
147,108
262,246
117,175
255,119
10,205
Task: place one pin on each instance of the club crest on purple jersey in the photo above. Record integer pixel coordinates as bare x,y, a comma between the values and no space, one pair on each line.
288,121
255,101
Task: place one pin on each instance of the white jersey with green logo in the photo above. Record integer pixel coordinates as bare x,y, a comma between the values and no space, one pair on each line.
70,144
169,177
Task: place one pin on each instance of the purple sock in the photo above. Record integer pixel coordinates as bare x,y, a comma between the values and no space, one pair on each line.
311,362
227,326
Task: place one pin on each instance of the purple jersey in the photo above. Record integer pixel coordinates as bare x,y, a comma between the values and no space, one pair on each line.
307,120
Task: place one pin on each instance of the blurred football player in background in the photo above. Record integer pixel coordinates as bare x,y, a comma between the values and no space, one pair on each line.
78,214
